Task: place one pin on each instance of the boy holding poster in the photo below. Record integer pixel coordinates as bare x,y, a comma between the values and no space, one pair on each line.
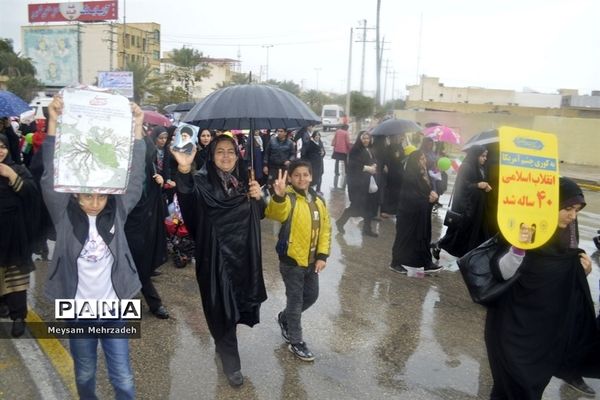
95,261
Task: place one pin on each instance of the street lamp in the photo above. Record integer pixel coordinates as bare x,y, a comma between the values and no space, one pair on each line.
317,71
267,46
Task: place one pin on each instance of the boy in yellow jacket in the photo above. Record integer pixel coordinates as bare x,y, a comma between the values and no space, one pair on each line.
303,248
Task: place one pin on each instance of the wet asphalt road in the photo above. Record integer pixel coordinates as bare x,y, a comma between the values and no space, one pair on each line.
376,334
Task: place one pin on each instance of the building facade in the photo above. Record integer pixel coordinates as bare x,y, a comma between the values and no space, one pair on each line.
73,53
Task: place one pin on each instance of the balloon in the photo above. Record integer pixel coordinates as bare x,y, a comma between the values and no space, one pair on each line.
29,138
444,163
409,149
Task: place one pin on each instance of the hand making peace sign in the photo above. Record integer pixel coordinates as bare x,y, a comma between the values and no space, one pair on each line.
280,183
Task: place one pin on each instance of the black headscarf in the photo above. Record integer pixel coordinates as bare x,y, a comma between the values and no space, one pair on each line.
413,171
234,181
6,191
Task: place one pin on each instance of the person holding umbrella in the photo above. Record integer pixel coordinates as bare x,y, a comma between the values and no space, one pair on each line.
222,210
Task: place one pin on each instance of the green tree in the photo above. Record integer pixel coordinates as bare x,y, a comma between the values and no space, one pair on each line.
172,96
315,100
288,86
19,70
189,68
148,84
237,78
361,106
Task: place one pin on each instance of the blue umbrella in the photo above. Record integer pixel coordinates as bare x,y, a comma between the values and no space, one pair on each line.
11,105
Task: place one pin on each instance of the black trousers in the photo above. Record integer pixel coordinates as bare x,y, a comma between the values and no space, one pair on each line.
227,348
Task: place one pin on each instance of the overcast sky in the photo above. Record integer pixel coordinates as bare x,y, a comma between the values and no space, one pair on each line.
504,44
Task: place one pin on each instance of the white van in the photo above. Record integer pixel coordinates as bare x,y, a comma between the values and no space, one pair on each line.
333,116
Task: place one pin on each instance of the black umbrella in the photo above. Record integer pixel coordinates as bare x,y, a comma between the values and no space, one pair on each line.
393,127
251,107
483,138
183,107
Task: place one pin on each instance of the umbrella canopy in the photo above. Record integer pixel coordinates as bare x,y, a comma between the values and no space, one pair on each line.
170,108
393,127
483,138
441,133
154,118
12,105
251,107
183,107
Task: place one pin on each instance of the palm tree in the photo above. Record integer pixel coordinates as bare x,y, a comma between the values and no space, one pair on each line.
189,68
147,83
19,70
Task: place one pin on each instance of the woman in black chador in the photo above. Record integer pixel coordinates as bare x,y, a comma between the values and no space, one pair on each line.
469,200
19,213
545,324
413,221
361,167
144,228
223,213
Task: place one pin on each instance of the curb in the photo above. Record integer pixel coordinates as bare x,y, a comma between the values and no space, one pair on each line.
587,184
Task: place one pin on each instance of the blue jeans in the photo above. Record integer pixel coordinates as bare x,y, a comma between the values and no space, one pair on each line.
116,351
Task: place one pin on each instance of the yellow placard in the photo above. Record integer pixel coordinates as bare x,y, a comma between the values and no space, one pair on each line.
528,187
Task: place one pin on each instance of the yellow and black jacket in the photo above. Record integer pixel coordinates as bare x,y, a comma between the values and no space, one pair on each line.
298,233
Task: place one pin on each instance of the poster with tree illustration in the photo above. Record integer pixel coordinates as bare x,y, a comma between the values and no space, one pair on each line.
94,142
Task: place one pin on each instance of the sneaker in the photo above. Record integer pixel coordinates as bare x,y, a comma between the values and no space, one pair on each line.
340,227
580,385
435,251
283,327
301,351
431,268
399,269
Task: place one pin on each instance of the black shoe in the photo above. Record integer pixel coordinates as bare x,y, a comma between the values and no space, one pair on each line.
435,251
235,379
283,327
156,273
4,311
18,328
399,269
370,233
340,227
301,351
431,268
580,385
161,312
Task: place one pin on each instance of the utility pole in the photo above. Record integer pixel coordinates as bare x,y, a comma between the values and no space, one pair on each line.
317,69
349,75
111,43
394,73
267,46
378,59
364,41
387,63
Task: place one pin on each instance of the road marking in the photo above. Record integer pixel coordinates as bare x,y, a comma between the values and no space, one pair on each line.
58,356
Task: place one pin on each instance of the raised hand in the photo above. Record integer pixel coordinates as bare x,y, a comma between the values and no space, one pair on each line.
184,160
138,119
280,184
55,108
